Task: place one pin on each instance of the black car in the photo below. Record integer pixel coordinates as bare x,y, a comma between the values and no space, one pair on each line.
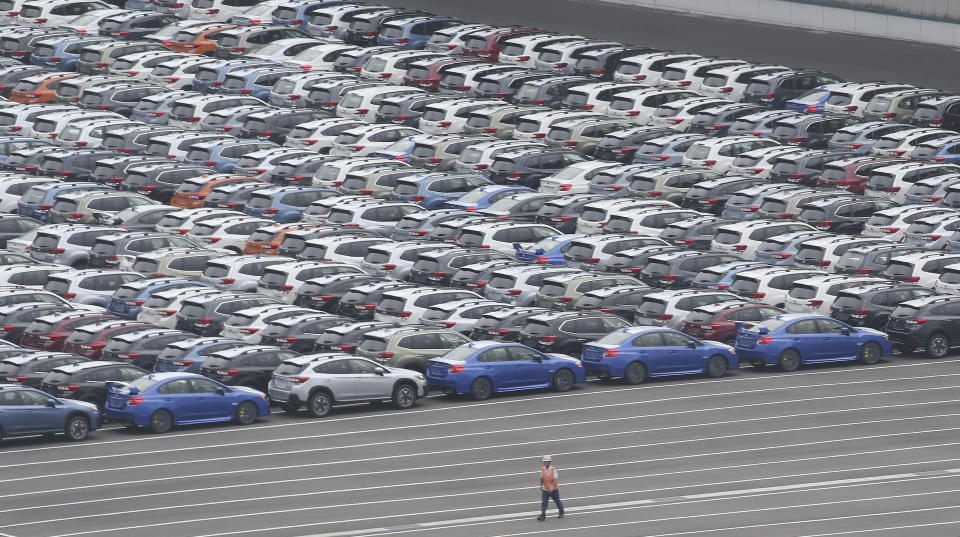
15,318
622,146
932,323
274,125
941,112
250,365
299,333
158,181
504,324
295,241
406,109
10,75
711,196
840,214
113,170
870,305
347,337
232,195
87,381
324,293
873,259
174,356
75,165
436,267
13,226
717,120
621,300
561,213
365,27
205,315
694,233
134,140
526,168
135,24
676,270
29,368
600,64
775,89
108,249
142,347
566,332
475,276
359,302
633,260
803,167
810,131
548,91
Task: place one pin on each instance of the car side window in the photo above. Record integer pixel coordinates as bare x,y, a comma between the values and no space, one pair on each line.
498,354
652,339
362,367
522,354
829,326
803,327
9,398
674,339
179,386
28,398
203,386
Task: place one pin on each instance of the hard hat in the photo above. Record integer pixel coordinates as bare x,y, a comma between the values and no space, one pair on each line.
547,458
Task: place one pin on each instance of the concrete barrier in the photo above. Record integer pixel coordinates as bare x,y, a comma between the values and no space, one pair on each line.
816,17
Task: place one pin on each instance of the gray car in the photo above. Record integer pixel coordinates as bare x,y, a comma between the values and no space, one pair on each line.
323,380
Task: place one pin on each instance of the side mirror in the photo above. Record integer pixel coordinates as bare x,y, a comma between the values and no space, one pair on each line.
133,390
763,330
538,358
221,391
692,344
52,403
539,251
380,371
845,331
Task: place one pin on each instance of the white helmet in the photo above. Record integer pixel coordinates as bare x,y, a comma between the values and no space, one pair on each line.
547,458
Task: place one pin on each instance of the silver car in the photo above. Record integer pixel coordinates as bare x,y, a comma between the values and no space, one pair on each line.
323,380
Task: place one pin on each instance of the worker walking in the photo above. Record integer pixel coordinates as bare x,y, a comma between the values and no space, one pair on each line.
549,487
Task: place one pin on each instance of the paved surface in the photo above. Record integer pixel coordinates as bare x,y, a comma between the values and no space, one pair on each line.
832,450
852,57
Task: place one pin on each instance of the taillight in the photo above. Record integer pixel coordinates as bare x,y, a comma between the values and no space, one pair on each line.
455,369
814,303
610,353
915,322
860,314
547,340
134,401
912,279
766,340
757,295
227,372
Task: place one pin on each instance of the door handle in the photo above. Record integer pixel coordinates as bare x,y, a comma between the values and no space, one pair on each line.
488,367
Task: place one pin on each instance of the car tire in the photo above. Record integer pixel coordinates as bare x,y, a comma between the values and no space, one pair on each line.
716,367
481,389
246,413
937,346
404,396
789,360
869,353
563,380
319,404
161,421
290,407
635,373
77,428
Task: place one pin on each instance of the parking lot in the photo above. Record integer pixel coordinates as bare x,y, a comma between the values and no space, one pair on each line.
833,450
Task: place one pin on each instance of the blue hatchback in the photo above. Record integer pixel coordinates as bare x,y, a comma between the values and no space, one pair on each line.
26,411
794,339
484,367
40,198
413,32
548,251
285,203
432,190
62,53
163,400
638,352
483,197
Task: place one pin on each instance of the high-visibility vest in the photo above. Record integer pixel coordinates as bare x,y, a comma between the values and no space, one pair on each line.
549,480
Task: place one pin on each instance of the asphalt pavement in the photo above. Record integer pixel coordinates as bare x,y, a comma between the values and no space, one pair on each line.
852,57
829,450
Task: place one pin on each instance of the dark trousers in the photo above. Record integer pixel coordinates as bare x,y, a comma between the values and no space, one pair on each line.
545,496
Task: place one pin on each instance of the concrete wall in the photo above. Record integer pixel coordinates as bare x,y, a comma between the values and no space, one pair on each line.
816,17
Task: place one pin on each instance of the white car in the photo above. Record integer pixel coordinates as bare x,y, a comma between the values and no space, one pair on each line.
362,104
230,233
247,324
758,162
162,306
744,238
647,68
731,82
55,14
719,153
523,49
639,105
816,295
283,280
689,74
892,181
502,236
450,117
677,114
769,285
575,178
901,143
362,141
892,223
923,268
391,66
319,135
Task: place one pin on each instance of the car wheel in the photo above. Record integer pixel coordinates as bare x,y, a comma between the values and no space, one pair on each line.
319,404
635,373
716,366
481,389
246,413
405,396
938,346
789,360
290,407
77,428
869,353
161,421
563,380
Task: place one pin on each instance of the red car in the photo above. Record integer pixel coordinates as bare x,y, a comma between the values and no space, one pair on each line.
49,333
852,173
717,321
487,44
426,74
88,341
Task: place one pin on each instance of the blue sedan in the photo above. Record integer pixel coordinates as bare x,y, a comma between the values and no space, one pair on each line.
639,352
162,400
794,339
26,411
484,367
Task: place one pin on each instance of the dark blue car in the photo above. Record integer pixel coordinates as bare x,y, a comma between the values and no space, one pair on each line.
548,251
26,411
161,401
639,352
788,341
484,367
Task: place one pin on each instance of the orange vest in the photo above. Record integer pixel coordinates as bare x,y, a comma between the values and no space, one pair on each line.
549,481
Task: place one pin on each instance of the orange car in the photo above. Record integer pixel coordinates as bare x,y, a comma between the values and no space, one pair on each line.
200,39
191,193
267,239
39,88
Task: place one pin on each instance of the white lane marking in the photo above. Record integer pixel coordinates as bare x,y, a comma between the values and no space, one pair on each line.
418,484
389,415
484,419
616,506
888,528
420,467
286,453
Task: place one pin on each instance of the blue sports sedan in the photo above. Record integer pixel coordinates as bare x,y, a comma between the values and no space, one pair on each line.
484,367
162,400
639,352
26,411
794,339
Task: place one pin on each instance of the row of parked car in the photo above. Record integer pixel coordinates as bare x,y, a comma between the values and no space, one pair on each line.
312,203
